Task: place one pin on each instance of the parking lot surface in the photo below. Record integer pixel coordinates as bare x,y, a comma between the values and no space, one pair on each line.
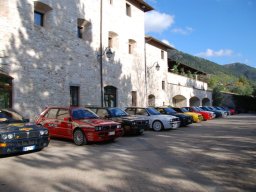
216,155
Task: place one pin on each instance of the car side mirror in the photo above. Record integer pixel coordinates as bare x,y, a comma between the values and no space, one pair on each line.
67,119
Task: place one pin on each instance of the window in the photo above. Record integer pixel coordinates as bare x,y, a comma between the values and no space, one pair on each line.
134,98
38,18
163,85
51,114
63,113
40,13
110,2
110,96
79,32
74,95
131,46
162,54
110,42
128,10
151,100
112,39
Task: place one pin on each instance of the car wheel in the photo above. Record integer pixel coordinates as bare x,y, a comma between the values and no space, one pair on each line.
79,138
157,126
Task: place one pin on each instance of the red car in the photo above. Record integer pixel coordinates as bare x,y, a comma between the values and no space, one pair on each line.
206,115
79,124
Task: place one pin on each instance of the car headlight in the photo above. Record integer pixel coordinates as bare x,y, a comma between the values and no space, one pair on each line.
4,136
10,136
133,123
118,126
41,132
46,132
98,128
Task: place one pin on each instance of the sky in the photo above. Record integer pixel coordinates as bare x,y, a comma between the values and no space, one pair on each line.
222,31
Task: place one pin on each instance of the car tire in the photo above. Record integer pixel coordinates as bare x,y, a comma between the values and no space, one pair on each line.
157,126
79,138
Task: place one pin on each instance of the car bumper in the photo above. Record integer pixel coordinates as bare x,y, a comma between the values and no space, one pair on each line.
134,130
23,145
103,135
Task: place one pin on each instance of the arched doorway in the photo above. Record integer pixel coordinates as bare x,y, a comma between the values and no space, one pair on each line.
5,90
179,101
151,100
206,102
194,101
110,96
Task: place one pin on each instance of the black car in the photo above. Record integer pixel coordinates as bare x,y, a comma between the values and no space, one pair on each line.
131,124
184,119
18,135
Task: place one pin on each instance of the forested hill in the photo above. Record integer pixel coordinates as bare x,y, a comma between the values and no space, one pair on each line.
242,69
197,62
209,67
236,78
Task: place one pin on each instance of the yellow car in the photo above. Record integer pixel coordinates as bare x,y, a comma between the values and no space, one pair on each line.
197,117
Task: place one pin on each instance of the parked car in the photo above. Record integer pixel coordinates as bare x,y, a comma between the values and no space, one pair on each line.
157,121
206,114
224,110
184,119
79,124
224,113
216,112
18,135
131,124
197,117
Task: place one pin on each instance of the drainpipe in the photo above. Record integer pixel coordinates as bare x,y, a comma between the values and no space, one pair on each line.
101,68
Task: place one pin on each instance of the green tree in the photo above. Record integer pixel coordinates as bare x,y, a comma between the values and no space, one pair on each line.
217,96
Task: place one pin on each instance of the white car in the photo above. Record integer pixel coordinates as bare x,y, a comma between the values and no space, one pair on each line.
157,121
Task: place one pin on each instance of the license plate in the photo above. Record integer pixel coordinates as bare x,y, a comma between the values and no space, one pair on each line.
29,148
175,125
111,133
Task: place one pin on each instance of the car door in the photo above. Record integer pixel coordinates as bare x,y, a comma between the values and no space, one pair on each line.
49,121
64,124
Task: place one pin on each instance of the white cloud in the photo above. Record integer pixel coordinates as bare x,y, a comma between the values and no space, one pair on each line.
157,22
168,43
183,31
219,53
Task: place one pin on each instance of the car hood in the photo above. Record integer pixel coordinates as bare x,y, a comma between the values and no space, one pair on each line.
163,116
14,127
94,122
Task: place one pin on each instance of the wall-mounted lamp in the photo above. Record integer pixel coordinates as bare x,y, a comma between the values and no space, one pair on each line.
156,64
106,52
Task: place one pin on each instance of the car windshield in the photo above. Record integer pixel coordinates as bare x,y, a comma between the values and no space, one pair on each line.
153,111
83,114
10,116
170,110
184,110
117,112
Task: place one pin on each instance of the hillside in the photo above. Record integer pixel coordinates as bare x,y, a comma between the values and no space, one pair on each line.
240,69
236,78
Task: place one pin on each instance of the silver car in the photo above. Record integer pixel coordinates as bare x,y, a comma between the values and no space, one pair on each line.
157,121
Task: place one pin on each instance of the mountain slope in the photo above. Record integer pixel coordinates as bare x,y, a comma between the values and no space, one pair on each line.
240,69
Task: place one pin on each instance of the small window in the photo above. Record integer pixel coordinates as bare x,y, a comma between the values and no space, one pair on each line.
131,46
74,95
79,32
128,10
134,98
110,42
110,2
110,96
163,85
113,40
38,18
162,54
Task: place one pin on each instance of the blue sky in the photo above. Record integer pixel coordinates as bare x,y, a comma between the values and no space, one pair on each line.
222,31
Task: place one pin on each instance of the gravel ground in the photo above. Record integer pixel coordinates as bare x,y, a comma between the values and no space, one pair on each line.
216,155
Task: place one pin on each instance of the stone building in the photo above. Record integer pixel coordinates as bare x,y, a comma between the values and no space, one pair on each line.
56,52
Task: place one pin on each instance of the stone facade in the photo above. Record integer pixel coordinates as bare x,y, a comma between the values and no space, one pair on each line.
44,61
